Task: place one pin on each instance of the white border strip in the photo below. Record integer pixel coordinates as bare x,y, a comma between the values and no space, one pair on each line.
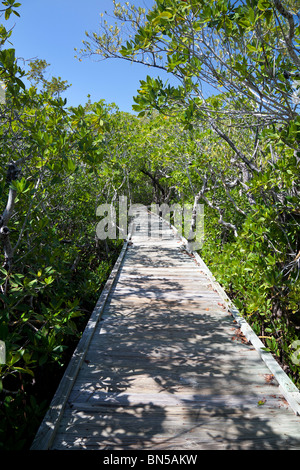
287,387
47,430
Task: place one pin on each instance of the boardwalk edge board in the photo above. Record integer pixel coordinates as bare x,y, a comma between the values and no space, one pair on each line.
46,432
287,387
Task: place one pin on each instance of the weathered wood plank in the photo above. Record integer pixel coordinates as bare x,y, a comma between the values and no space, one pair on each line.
47,430
167,368
143,427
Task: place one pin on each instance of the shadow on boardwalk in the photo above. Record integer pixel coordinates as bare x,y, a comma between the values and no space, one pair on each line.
164,375
167,369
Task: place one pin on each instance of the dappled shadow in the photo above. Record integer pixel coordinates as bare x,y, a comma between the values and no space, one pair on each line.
165,370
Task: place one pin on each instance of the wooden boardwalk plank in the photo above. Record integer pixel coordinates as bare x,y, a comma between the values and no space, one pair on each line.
165,366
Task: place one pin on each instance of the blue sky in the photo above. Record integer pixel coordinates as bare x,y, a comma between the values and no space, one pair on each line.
51,29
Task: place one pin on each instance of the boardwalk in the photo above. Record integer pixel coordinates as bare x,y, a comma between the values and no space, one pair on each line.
165,367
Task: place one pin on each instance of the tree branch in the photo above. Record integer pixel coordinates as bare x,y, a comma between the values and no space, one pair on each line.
288,39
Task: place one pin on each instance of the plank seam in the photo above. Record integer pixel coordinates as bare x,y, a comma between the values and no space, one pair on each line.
287,387
47,430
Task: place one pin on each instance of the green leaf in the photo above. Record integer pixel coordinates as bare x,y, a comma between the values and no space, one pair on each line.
261,402
71,165
251,48
20,83
7,13
25,371
48,280
263,5
166,15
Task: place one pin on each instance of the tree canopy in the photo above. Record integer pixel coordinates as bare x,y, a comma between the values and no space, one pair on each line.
228,136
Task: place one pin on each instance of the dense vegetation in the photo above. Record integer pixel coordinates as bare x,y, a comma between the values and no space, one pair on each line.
236,150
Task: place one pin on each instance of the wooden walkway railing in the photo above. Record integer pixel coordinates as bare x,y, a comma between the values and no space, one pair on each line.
164,364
